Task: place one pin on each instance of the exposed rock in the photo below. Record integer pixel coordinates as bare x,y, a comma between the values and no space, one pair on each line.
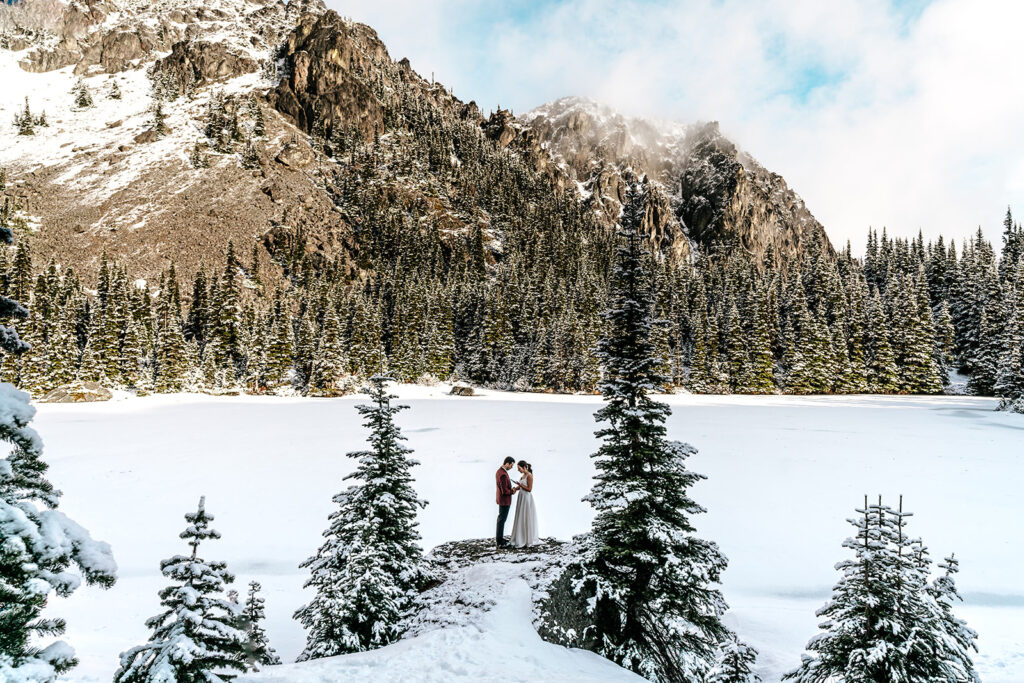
119,48
462,390
78,392
707,191
295,155
199,63
330,63
501,127
147,136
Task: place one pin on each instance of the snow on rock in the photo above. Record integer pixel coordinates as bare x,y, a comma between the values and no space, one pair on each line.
477,624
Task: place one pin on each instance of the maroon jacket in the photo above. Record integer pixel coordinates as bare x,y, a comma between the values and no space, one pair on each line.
504,495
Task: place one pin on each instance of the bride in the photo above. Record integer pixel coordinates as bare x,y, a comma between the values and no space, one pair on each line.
524,529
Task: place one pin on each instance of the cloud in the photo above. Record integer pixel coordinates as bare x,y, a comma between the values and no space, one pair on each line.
904,114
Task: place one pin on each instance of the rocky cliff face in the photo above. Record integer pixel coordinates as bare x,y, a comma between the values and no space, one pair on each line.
710,191
116,35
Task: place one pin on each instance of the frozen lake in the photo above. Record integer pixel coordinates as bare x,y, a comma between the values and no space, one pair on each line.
784,475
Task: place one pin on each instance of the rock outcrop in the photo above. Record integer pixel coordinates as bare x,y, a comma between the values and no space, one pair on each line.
198,63
79,392
331,64
115,35
708,191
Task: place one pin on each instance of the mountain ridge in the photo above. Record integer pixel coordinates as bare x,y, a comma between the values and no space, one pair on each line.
324,74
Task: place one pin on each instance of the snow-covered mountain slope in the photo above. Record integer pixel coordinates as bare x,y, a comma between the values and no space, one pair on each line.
712,192
98,178
778,495
477,627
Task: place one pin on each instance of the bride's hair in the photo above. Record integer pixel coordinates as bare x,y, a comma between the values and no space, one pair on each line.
525,465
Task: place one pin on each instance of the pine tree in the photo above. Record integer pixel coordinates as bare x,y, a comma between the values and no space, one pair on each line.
957,638
883,622
25,122
735,360
173,360
250,155
259,126
159,124
258,650
196,639
329,361
985,359
39,545
198,158
367,572
83,97
735,664
881,363
644,579
758,372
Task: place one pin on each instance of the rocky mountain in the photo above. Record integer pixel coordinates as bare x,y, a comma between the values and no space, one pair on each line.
710,191
100,179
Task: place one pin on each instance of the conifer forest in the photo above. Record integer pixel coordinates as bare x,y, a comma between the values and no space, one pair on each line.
900,319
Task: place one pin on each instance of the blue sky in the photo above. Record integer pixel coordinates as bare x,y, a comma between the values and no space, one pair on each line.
896,113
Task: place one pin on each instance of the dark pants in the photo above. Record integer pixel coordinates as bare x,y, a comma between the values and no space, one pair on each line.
499,533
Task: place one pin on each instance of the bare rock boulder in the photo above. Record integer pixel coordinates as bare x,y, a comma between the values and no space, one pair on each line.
79,392
462,390
295,155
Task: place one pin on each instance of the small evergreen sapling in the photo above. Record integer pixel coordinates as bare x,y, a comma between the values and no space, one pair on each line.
197,637
367,573
159,119
83,96
258,650
198,157
250,155
735,663
24,121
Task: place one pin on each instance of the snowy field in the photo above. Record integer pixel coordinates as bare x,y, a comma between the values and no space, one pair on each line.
784,474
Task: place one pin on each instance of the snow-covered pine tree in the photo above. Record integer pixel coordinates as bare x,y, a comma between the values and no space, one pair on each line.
735,663
329,361
366,574
83,97
24,121
198,158
159,125
883,622
39,545
645,581
258,650
196,639
882,374
957,639
250,155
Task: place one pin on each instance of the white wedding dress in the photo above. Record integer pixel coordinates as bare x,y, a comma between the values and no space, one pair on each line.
524,529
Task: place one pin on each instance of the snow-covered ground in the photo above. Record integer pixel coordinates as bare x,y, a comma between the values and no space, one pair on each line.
784,474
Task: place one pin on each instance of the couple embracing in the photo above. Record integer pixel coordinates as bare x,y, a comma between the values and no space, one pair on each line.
524,528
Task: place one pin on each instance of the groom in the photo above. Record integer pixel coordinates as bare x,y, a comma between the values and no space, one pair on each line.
504,498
